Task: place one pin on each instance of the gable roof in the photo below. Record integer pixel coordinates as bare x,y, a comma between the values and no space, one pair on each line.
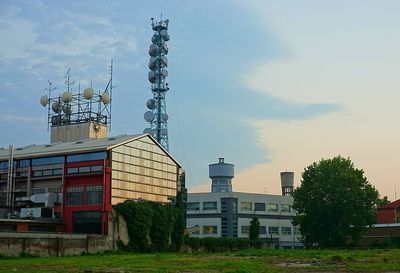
393,205
81,146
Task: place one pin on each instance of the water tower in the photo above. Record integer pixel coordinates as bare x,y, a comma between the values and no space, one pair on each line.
157,114
221,174
287,182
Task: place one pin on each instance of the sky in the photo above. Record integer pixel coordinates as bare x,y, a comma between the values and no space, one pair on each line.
268,85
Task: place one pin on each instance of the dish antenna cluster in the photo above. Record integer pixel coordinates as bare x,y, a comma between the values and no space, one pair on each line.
70,108
157,114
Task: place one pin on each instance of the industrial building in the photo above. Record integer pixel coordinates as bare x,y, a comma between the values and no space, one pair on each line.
389,214
79,181
71,184
224,213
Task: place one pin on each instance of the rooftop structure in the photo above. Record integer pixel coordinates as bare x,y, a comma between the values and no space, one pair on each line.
221,174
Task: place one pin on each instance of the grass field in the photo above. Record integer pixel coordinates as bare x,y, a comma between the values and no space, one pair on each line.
265,260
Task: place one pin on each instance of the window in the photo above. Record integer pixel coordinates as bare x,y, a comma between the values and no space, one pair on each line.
273,207
285,208
259,206
51,172
55,189
246,206
224,206
286,230
193,206
85,169
4,165
24,163
245,229
48,160
209,229
263,230
194,230
273,230
209,205
296,230
94,195
86,157
38,190
75,196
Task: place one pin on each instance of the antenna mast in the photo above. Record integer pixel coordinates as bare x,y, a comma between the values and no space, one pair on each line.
157,115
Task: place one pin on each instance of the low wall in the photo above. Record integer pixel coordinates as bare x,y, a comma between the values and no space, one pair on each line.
43,244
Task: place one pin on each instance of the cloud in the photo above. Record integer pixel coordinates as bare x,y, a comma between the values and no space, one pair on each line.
14,118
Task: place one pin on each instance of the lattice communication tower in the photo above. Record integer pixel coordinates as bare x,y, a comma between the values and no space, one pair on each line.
157,114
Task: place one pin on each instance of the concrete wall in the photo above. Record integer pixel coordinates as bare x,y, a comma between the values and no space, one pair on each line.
59,244
47,244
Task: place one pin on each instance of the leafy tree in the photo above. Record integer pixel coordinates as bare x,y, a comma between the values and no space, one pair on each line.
335,201
383,201
161,225
254,232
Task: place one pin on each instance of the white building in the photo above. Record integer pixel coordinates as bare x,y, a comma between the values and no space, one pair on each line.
228,214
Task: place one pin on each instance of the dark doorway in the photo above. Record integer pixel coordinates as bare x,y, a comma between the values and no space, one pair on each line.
87,222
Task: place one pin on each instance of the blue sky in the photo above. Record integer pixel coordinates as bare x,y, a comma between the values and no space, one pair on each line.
256,82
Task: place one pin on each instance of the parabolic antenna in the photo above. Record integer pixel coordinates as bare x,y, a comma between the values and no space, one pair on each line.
88,93
164,35
153,63
165,73
148,131
67,109
44,100
165,47
153,50
105,98
151,104
56,107
149,116
152,77
66,97
154,39
164,117
163,132
164,60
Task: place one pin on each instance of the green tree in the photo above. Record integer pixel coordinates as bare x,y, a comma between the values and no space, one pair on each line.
335,201
254,232
383,201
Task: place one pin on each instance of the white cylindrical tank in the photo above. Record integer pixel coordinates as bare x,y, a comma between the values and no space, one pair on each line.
221,174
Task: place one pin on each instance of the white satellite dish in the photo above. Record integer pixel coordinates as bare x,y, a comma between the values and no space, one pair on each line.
164,117
154,39
105,98
151,104
164,60
44,100
153,50
153,63
66,97
149,116
56,107
165,47
165,73
67,109
148,131
163,132
164,35
88,93
152,77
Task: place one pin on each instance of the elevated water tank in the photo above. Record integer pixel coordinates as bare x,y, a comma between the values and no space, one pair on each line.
221,174
287,183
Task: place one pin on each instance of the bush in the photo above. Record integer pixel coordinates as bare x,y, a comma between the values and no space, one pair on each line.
210,244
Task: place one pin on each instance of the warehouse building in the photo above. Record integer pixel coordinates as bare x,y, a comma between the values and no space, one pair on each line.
74,184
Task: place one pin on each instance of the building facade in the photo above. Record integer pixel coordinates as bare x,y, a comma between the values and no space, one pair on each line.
229,215
79,181
389,213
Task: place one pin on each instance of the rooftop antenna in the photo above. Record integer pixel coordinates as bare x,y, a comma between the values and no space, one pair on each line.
157,114
45,101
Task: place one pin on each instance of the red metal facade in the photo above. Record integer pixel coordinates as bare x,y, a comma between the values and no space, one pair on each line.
389,214
102,178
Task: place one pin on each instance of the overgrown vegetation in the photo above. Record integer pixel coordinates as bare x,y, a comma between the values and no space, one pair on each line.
220,244
152,226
